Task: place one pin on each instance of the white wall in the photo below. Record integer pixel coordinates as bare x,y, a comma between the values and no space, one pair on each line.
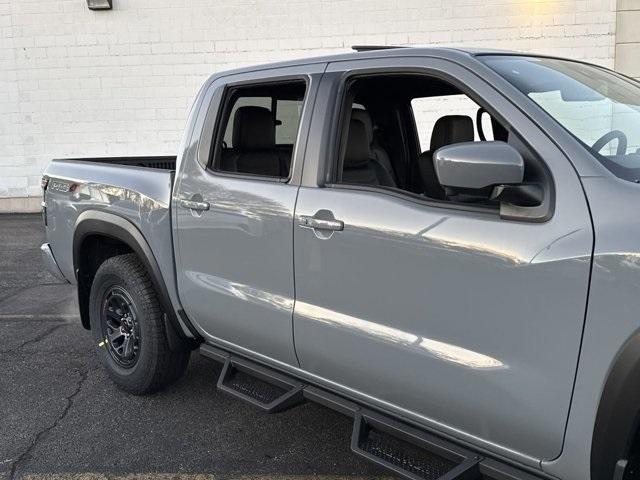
79,83
628,38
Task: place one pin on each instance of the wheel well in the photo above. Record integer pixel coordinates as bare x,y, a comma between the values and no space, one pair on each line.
93,251
101,235
616,433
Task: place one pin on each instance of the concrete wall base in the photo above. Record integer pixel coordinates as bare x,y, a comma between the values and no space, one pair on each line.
20,205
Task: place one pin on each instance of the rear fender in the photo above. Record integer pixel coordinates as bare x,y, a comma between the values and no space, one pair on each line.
109,225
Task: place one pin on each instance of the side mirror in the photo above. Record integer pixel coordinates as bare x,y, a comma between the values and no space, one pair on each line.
478,165
493,171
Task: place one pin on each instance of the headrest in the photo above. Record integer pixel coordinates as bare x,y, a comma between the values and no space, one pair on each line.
452,129
253,129
365,118
357,152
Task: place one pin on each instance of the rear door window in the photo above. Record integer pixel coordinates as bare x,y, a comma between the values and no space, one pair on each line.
258,129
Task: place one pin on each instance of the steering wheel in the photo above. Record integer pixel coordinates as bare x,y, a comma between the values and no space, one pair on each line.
608,137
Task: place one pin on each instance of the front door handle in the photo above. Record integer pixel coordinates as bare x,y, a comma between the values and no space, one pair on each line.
321,224
194,205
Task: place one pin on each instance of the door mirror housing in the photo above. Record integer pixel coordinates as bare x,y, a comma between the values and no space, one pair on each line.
478,165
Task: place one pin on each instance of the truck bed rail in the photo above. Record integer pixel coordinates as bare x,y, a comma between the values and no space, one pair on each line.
166,162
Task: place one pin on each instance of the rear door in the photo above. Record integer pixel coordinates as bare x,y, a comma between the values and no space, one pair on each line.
451,317
234,204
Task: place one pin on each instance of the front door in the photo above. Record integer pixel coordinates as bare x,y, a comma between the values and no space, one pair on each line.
234,207
440,311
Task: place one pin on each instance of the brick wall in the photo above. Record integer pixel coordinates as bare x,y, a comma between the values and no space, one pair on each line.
628,38
79,83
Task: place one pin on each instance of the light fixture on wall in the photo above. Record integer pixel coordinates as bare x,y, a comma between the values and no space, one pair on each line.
100,4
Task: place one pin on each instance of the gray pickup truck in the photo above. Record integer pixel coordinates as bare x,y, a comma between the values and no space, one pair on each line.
443,244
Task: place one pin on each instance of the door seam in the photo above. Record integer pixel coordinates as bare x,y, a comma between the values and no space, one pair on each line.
293,222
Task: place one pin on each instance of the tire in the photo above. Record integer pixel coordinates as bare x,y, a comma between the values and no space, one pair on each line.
124,307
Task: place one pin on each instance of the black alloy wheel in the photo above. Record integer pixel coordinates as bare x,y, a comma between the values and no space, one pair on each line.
120,327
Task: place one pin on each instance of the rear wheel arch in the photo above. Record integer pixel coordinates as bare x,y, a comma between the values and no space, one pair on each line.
99,236
616,429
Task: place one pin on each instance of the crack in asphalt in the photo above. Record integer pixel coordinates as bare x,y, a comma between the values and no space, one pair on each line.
36,439
35,339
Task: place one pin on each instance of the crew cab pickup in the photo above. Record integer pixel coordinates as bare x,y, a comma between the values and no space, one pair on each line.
443,244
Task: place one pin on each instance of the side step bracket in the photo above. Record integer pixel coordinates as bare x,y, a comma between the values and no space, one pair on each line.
264,388
410,453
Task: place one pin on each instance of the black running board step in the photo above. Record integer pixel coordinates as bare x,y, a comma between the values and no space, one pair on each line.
262,387
410,453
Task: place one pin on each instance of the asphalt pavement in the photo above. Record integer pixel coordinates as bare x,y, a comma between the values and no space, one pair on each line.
62,418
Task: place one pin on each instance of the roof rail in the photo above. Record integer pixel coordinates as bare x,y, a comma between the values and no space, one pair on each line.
368,48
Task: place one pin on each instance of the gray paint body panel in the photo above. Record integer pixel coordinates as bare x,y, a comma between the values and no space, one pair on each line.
50,262
430,309
241,288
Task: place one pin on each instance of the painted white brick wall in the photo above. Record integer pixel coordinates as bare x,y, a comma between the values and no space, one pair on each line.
79,83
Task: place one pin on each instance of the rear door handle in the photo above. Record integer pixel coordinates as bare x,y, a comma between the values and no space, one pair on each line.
321,224
194,205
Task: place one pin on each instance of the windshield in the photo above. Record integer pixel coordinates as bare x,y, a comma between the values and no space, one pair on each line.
598,107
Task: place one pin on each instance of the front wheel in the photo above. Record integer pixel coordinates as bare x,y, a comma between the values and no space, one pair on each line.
128,328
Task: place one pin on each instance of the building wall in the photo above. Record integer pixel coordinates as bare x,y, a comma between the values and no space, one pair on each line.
628,38
79,83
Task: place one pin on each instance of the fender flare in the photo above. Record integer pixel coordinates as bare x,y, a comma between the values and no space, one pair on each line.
618,414
94,222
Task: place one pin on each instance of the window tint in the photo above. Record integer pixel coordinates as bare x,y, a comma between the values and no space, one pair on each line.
388,140
258,129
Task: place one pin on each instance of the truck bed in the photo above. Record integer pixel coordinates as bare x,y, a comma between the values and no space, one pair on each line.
137,189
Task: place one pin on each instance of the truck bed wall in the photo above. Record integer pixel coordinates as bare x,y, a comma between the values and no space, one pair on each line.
138,194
